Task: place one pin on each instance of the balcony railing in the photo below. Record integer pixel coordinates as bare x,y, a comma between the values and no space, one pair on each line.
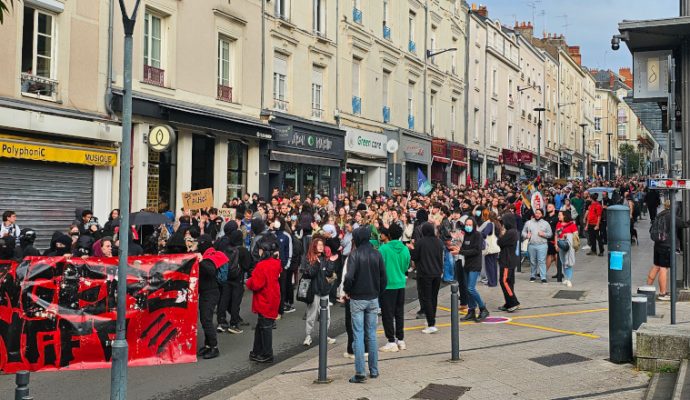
154,76
39,86
387,32
356,105
410,122
386,114
316,113
412,47
280,105
225,93
357,15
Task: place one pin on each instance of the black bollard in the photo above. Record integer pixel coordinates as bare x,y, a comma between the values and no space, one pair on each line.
454,322
650,292
22,381
619,277
323,342
639,310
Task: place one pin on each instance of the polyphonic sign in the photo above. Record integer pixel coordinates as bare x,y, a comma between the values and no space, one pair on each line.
682,184
198,199
60,314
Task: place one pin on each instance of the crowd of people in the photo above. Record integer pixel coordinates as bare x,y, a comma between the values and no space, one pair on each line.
360,251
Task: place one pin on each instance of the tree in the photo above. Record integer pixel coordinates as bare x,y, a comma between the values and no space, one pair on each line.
5,6
631,159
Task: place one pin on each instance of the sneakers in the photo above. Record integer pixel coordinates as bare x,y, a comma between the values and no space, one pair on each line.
591,253
568,283
390,347
289,309
260,359
513,309
307,341
358,379
532,279
601,254
483,314
664,297
471,316
222,327
401,345
503,308
330,340
430,330
211,353
234,329
348,355
544,282
202,351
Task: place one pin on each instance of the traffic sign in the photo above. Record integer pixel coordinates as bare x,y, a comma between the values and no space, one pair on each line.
682,184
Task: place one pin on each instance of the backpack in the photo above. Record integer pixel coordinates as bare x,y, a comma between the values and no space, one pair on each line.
659,231
230,271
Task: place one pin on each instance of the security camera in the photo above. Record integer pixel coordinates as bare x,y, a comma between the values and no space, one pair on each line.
615,42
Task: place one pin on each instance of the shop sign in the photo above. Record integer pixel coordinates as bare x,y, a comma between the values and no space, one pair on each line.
511,157
416,150
198,199
363,142
525,157
310,141
161,137
38,151
262,135
458,153
566,158
439,148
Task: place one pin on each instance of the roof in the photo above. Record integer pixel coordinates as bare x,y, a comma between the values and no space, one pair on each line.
655,34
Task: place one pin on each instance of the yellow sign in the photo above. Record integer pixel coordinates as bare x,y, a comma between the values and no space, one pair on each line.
67,154
198,199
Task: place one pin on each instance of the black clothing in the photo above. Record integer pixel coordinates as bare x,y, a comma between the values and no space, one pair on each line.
207,276
318,272
461,277
472,250
508,243
428,253
207,302
653,201
594,237
230,300
26,251
366,274
507,277
392,303
53,250
429,300
263,338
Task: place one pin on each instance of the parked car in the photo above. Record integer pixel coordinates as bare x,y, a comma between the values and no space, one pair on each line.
614,194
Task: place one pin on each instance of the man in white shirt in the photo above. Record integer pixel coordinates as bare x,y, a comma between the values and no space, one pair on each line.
9,226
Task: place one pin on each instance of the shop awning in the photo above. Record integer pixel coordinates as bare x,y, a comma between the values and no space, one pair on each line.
511,168
461,164
303,159
529,167
366,162
443,160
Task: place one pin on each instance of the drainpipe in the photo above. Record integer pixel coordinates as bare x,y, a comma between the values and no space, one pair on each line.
109,76
467,76
486,102
337,62
263,55
426,32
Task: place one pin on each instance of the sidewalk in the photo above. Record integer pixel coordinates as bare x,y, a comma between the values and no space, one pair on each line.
498,360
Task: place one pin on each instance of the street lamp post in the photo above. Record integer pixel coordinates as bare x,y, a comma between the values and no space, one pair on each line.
608,167
583,126
118,376
539,110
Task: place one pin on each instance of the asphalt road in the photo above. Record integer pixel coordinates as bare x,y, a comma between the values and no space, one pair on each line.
186,381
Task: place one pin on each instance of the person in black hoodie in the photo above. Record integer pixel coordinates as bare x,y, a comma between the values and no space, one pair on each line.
209,293
422,217
471,249
427,255
26,248
508,260
60,244
231,291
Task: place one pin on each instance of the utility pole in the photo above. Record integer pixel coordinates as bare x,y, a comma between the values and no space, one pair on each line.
685,129
608,167
539,110
118,376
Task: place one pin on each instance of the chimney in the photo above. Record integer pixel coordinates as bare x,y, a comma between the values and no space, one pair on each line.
574,52
611,80
483,11
626,76
525,29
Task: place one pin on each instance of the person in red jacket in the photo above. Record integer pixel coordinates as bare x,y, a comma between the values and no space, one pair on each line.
593,223
264,282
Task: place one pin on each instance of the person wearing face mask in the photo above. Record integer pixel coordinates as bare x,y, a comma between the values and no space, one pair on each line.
472,251
538,232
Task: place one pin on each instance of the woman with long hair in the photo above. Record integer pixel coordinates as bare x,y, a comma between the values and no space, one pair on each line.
489,228
319,267
342,218
565,230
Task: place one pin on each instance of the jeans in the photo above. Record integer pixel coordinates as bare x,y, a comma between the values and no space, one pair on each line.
207,302
364,317
263,337
230,300
491,268
313,313
567,269
537,259
392,313
348,328
475,298
429,290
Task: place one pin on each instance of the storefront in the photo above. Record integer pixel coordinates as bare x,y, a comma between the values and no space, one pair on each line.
440,162
305,157
529,169
510,170
458,156
566,162
366,161
44,180
415,154
208,148
492,166
476,161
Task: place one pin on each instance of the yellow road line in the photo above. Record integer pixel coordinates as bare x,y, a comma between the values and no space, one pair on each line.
545,328
558,314
420,327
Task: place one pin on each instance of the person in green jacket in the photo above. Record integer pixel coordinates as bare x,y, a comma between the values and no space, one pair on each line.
396,258
578,202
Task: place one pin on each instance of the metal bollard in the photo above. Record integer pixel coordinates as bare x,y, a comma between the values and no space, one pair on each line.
619,278
22,381
650,292
323,342
639,310
454,322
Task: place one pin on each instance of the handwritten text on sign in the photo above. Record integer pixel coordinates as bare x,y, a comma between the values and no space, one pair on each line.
197,199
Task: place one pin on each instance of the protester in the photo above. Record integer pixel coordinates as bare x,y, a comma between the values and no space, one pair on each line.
564,243
538,232
209,294
320,269
396,259
508,260
427,253
472,251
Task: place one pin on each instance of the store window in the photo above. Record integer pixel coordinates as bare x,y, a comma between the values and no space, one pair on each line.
237,170
356,177
310,178
325,181
290,178
160,177
203,151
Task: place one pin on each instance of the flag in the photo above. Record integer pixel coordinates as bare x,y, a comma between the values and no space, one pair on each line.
423,185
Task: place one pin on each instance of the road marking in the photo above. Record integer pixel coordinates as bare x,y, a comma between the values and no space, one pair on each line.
546,328
558,314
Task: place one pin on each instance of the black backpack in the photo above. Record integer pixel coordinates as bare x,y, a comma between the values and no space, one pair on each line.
230,271
659,229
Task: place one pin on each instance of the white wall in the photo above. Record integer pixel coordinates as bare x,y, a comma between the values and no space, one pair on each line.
102,188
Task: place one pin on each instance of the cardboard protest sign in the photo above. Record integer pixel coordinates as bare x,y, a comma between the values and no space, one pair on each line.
228,214
198,199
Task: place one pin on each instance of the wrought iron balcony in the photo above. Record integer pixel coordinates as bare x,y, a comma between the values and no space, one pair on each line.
225,93
280,105
154,76
39,86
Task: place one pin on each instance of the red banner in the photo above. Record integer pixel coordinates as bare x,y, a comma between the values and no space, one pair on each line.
59,314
